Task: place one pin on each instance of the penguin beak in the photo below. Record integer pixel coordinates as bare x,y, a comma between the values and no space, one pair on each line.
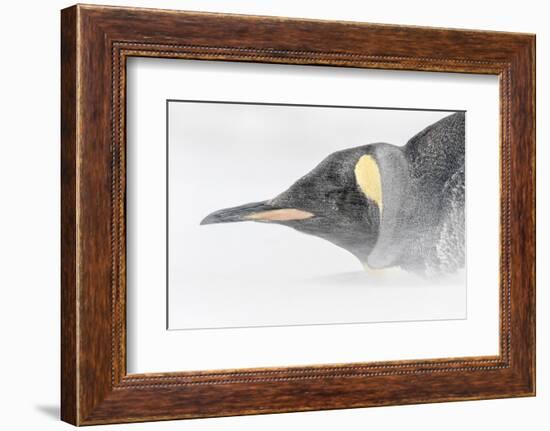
256,211
235,214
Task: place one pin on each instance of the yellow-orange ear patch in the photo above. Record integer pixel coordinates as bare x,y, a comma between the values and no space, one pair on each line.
367,176
285,214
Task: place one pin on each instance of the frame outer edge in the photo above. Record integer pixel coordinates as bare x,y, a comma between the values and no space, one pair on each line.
531,83
532,101
533,53
69,201
523,183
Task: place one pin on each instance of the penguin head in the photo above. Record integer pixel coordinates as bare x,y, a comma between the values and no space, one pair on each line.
340,201
383,203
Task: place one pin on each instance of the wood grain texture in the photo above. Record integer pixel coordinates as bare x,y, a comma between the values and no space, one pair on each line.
69,397
96,41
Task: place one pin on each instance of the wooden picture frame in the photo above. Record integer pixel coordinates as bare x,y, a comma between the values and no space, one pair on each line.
95,43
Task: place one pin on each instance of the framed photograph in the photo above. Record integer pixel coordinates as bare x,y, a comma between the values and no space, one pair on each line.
265,214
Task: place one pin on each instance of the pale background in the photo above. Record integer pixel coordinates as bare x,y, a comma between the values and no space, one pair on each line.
152,349
30,216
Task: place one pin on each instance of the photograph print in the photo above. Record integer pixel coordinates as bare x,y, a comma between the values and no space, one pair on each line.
287,214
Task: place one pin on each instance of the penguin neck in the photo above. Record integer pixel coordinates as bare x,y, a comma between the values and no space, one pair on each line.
398,217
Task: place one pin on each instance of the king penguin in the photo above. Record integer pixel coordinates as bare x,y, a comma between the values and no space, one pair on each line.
388,205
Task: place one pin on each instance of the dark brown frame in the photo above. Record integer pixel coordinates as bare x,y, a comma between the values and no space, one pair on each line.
96,41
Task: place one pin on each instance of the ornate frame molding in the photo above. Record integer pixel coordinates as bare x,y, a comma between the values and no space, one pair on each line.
96,41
